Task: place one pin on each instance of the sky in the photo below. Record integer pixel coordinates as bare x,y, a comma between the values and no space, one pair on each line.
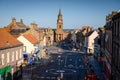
76,13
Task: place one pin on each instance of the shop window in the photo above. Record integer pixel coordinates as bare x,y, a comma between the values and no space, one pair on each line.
3,57
60,26
24,49
13,56
16,55
20,54
0,61
92,44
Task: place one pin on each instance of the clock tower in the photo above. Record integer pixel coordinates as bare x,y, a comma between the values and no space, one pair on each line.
59,21
59,33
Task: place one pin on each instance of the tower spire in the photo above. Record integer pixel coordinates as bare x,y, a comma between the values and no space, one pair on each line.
60,12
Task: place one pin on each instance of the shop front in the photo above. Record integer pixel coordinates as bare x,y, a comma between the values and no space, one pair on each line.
18,64
17,75
107,71
25,59
5,73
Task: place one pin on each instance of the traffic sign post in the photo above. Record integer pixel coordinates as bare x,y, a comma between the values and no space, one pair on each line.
31,60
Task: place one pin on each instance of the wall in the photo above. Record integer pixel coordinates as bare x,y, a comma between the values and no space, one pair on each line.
29,46
15,55
91,41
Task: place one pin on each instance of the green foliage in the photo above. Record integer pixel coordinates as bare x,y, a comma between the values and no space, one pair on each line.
54,29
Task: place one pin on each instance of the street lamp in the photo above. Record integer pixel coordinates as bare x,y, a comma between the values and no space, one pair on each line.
44,41
60,71
65,60
59,61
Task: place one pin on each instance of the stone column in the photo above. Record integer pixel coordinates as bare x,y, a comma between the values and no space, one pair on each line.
58,36
61,36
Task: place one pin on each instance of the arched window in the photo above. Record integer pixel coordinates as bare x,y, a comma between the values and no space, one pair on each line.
60,26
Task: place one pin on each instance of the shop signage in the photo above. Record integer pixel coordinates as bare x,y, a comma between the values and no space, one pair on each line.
101,59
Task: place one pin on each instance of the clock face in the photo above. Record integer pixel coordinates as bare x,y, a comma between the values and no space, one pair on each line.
59,20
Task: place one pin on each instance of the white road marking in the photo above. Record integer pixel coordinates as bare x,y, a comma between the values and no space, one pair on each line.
42,77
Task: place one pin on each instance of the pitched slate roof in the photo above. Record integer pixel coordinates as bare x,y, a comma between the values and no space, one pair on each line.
30,38
7,40
16,25
21,25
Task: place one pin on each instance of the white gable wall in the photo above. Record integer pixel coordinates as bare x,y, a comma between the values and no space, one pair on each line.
91,41
29,46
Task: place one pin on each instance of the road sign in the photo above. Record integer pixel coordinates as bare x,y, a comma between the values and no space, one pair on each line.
31,60
61,75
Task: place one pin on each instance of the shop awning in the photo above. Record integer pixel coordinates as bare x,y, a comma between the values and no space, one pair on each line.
5,69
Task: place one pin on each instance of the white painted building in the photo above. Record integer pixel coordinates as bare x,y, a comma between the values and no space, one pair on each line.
89,41
30,43
10,53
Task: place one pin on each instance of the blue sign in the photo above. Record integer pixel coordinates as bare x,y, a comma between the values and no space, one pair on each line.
31,60
25,55
32,55
44,47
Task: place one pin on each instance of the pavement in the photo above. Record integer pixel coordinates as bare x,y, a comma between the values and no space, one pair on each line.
26,75
96,67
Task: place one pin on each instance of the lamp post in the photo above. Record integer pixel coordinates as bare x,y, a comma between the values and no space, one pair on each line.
59,58
44,39
39,38
61,73
65,60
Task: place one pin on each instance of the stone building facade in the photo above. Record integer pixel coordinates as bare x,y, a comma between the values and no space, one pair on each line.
59,33
16,25
10,53
116,47
108,46
48,36
16,28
